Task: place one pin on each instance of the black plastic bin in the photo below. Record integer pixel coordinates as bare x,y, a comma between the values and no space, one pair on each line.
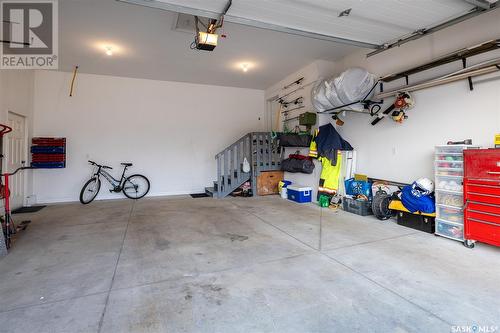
359,207
416,221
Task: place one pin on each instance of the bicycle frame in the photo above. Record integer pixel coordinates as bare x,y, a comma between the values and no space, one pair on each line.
116,183
9,222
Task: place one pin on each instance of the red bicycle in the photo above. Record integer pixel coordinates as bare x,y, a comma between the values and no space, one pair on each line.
8,226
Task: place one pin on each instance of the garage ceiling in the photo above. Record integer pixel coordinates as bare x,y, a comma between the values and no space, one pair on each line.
369,23
270,35
148,45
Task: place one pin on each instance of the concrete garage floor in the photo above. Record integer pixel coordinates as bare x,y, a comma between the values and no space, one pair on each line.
238,265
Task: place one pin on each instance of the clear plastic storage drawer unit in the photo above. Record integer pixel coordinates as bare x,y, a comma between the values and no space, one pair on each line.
449,172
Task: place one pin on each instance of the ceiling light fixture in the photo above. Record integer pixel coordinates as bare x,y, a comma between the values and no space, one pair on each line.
244,65
109,50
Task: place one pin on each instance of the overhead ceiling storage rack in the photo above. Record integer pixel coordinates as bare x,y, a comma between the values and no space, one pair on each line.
483,68
459,55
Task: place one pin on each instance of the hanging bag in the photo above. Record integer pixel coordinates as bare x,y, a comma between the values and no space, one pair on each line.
295,138
298,163
246,166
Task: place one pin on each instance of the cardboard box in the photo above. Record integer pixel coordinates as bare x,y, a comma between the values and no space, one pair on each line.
267,182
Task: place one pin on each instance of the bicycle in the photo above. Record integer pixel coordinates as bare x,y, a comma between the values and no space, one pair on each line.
134,187
8,226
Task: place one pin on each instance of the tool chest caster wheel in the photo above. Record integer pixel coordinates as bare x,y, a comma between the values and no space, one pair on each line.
469,244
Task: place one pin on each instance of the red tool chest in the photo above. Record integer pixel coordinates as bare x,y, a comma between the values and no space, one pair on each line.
482,195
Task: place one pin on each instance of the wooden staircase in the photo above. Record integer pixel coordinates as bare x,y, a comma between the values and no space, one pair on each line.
262,152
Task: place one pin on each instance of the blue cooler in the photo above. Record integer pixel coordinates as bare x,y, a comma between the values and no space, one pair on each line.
299,193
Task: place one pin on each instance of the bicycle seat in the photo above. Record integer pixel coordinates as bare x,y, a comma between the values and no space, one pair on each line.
127,164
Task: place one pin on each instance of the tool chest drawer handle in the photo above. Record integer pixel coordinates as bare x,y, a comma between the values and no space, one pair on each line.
484,195
487,186
472,181
484,222
486,213
493,172
481,203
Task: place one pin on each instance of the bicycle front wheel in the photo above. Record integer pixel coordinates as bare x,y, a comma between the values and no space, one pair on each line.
136,187
7,231
90,190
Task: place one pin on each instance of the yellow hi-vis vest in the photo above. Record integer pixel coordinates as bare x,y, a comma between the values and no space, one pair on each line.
330,175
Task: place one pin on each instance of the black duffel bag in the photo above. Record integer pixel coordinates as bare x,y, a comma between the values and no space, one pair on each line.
294,140
298,163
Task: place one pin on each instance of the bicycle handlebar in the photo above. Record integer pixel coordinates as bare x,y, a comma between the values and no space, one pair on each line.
17,170
4,129
101,166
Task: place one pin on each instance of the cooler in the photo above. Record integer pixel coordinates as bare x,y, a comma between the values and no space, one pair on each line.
299,193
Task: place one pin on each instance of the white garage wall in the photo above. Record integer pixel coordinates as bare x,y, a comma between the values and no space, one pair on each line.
171,131
404,152
450,112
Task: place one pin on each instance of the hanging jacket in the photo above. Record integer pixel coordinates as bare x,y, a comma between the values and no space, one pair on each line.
329,139
330,175
326,142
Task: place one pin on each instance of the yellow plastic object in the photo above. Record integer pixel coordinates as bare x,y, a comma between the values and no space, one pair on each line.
313,148
360,177
398,205
497,140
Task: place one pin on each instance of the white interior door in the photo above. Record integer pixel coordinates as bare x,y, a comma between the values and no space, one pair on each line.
15,155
